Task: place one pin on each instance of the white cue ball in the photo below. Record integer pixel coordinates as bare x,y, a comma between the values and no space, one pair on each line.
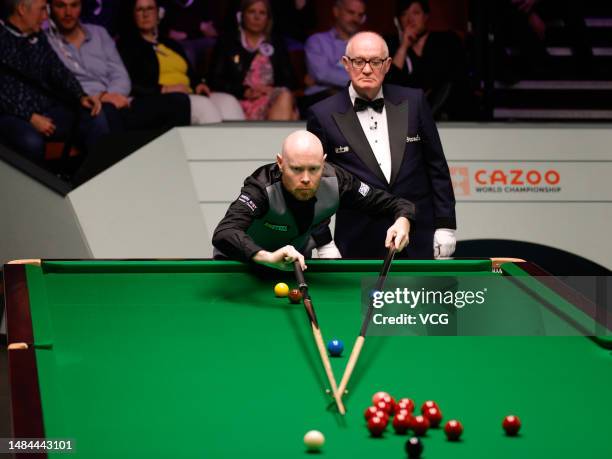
314,440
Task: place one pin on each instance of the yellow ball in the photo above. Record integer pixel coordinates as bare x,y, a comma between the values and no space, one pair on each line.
281,290
314,440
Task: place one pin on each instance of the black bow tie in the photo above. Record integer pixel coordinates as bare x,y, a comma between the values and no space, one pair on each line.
377,105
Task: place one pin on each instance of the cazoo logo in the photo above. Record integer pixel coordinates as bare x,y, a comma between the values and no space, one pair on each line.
517,177
515,180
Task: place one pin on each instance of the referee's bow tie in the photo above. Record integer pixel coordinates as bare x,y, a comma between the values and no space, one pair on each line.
376,104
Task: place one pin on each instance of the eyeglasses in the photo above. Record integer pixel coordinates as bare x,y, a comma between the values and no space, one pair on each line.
359,62
145,9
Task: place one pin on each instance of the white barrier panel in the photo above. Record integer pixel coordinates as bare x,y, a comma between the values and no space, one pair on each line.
543,184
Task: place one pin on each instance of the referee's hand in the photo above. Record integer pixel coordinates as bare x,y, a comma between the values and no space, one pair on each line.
282,258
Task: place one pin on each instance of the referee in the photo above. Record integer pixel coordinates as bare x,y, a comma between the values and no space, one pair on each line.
284,208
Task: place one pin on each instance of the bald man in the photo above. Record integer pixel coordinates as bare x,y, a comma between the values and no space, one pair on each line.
282,206
385,135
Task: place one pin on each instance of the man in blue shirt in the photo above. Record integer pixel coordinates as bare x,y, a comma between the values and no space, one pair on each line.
89,52
40,99
324,51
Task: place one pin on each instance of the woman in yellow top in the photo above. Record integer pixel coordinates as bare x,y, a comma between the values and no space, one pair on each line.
159,65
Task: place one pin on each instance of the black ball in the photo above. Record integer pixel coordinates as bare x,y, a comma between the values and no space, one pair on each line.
414,447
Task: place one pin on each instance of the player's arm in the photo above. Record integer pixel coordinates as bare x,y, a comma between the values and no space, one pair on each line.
357,195
230,236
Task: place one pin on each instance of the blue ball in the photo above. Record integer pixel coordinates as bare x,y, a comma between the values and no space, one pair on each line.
335,347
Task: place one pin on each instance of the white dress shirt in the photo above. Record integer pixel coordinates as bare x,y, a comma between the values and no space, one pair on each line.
374,126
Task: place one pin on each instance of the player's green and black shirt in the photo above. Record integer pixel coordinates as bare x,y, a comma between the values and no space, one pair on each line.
232,238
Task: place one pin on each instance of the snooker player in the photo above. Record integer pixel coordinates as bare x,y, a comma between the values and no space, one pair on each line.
284,208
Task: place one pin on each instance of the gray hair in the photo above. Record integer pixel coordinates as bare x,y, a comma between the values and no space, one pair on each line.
11,5
347,51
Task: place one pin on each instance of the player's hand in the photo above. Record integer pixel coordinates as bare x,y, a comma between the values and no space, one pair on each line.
202,89
118,100
444,243
329,250
282,258
43,124
93,103
397,234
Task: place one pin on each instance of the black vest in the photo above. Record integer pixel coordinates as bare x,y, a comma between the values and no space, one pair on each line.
278,227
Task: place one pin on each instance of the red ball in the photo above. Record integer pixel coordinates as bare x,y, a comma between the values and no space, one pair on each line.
384,406
295,296
404,411
376,426
405,404
453,430
420,425
402,422
378,396
511,424
434,415
428,404
369,412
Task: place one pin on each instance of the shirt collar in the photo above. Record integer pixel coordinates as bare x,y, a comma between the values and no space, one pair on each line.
353,94
85,30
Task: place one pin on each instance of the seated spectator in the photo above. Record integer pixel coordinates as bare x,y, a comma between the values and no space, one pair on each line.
255,67
40,98
190,23
432,61
324,51
89,52
158,65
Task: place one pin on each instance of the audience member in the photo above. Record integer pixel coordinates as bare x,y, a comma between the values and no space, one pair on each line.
432,61
159,65
40,99
324,51
254,66
89,52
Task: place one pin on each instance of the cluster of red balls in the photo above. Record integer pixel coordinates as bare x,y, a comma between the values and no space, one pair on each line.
384,407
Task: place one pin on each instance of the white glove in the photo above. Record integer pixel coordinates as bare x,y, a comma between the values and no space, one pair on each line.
444,243
328,250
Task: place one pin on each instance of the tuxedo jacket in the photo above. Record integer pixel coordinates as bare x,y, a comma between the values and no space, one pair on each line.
419,171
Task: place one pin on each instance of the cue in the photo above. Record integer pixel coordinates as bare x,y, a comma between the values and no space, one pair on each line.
316,332
350,366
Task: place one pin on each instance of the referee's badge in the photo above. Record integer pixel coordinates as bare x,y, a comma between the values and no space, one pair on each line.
344,149
364,189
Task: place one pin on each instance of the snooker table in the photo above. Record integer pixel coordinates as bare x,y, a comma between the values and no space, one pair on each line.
197,358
